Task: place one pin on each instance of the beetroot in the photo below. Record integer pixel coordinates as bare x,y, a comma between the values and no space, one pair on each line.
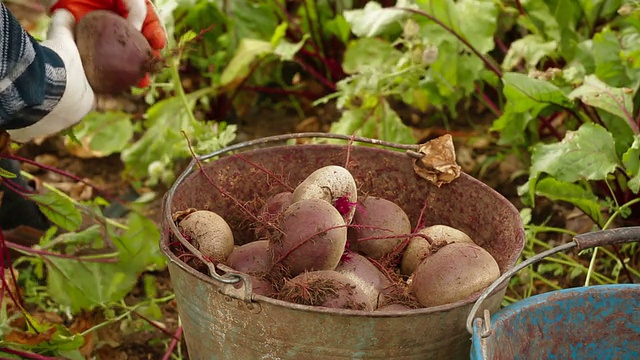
332,183
209,233
115,56
276,204
251,258
365,275
271,213
419,247
453,273
314,237
254,260
325,288
303,247
380,221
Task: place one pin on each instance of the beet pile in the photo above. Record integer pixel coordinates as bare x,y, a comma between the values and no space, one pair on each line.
322,245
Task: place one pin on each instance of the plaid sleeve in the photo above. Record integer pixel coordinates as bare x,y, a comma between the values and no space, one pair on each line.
32,77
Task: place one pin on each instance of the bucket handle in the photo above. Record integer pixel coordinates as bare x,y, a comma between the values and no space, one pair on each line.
229,278
580,242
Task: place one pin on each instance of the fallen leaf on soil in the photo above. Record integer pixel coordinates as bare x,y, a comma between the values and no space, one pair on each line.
437,163
5,142
10,290
83,322
309,124
82,150
23,338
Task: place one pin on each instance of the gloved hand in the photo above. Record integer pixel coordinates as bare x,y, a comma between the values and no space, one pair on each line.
78,98
141,14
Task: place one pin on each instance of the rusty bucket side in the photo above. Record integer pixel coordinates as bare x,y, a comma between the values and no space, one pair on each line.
223,320
595,322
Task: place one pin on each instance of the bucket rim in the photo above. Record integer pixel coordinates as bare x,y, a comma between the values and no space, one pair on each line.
484,329
496,319
562,294
229,278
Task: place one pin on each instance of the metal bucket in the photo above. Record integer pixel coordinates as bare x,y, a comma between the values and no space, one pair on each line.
222,319
595,322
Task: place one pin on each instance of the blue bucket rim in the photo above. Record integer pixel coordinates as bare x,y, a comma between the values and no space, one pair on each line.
558,295
520,306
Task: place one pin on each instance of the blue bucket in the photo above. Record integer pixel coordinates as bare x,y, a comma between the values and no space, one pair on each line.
595,322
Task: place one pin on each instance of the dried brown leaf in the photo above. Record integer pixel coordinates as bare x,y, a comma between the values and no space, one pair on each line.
31,339
437,163
5,142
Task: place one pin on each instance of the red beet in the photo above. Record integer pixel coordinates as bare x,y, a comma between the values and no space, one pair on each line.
115,56
314,237
325,288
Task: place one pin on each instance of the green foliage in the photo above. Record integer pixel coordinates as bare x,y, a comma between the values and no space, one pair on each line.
105,133
82,285
251,51
617,101
631,161
596,89
532,94
426,65
572,60
82,268
62,342
59,209
586,154
578,194
530,50
171,120
565,94
7,174
373,19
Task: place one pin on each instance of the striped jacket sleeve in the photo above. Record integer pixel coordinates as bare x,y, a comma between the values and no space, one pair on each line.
32,77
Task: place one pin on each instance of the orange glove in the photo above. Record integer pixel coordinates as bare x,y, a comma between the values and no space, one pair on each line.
140,13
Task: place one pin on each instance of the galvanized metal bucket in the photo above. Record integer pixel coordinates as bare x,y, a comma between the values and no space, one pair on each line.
594,322
221,317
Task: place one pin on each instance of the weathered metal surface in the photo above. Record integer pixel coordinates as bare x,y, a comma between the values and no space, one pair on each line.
597,322
217,326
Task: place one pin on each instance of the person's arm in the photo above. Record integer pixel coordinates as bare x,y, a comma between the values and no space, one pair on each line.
43,87
38,95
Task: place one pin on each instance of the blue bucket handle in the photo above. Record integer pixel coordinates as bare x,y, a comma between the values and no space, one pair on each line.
581,242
